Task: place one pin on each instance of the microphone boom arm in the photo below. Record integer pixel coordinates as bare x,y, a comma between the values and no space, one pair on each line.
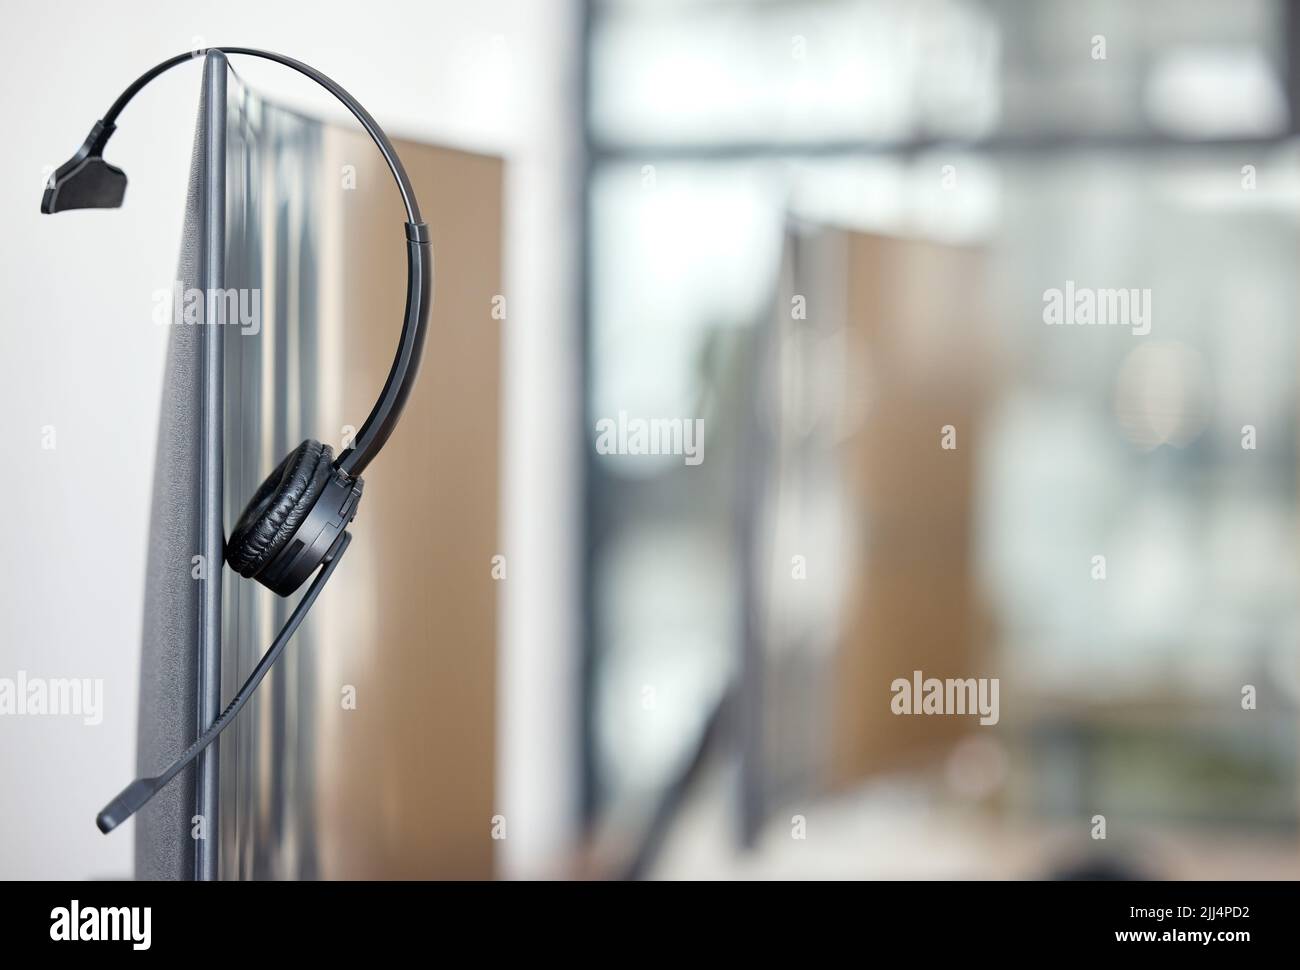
135,795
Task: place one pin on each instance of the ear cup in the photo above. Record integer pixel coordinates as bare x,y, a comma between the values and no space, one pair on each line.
279,507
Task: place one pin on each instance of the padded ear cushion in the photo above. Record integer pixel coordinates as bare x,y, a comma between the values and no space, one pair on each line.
278,507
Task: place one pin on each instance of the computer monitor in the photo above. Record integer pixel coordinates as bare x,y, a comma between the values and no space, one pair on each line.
180,670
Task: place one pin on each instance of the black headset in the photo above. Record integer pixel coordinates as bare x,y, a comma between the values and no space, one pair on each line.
296,522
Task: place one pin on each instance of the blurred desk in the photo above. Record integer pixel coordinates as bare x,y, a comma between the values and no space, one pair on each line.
900,831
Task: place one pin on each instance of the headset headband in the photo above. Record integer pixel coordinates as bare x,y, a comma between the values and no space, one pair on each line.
86,181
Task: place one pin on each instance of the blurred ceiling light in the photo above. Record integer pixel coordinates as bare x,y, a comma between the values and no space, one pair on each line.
1160,395
1215,93
774,72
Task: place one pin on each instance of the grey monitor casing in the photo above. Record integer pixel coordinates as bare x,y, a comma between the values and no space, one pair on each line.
180,672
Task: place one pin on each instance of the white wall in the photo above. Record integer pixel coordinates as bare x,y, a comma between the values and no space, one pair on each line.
78,352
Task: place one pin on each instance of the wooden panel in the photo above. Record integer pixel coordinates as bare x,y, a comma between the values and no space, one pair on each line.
407,778
914,313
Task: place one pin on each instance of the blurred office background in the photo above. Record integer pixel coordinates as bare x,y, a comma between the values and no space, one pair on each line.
826,229
918,176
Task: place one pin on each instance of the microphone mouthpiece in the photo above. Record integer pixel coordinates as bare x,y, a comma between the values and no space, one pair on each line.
126,804
86,181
